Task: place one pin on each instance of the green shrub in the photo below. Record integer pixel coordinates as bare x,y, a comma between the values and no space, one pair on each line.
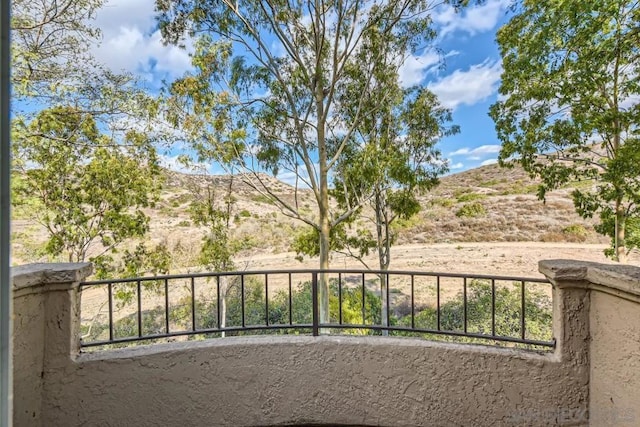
261,198
538,313
471,210
576,232
470,197
519,187
493,182
407,223
443,202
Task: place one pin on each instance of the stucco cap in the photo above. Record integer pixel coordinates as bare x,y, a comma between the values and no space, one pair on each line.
564,269
618,277
39,274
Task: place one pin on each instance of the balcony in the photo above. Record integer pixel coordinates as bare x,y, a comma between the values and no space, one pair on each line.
386,365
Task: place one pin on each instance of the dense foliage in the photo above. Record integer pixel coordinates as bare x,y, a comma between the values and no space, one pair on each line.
80,185
569,110
84,139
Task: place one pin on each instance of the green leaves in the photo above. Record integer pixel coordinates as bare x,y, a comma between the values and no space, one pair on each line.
49,40
393,157
90,190
569,107
210,211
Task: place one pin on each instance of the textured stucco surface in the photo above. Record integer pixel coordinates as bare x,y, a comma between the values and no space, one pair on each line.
278,380
32,276
614,335
594,373
615,361
45,333
28,362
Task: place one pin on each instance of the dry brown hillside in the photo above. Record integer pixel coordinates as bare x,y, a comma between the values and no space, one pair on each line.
487,204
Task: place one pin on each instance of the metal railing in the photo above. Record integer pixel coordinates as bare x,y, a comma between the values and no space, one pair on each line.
467,307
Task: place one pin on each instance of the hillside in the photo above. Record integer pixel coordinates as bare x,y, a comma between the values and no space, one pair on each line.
487,204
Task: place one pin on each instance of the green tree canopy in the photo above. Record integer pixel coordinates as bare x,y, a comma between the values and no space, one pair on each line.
84,157
84,188
52,65
570,108
282,86
392,159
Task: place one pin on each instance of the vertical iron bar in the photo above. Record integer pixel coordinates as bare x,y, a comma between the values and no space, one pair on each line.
110,287
438,300
139,310
166,305
413,302
522,311
493,307
218,314
340,298
314,303
388,317
242,298
364,313
193,304
290,302
464,319
266,299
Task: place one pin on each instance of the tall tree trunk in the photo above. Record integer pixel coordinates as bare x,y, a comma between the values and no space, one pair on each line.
323,280
382,234
325,233
323,205
620,247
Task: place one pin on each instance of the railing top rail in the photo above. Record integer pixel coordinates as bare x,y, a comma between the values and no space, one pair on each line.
317,271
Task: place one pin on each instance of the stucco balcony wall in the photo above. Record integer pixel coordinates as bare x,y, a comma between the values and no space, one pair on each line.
280,380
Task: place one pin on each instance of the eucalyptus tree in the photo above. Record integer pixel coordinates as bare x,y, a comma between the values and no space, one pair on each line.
570,110
217,251
280,86
52,65
392,157
50,40
398,161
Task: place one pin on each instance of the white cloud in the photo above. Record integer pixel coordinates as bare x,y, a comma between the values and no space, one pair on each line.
132,42
415,68
460,152
475,152
126,13
489,162
472,20
469,87
455,166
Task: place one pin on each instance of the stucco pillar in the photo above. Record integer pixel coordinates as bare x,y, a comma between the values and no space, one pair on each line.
597,315
570,310
46,323
571,327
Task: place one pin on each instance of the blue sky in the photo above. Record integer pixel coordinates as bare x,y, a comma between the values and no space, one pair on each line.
468,84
